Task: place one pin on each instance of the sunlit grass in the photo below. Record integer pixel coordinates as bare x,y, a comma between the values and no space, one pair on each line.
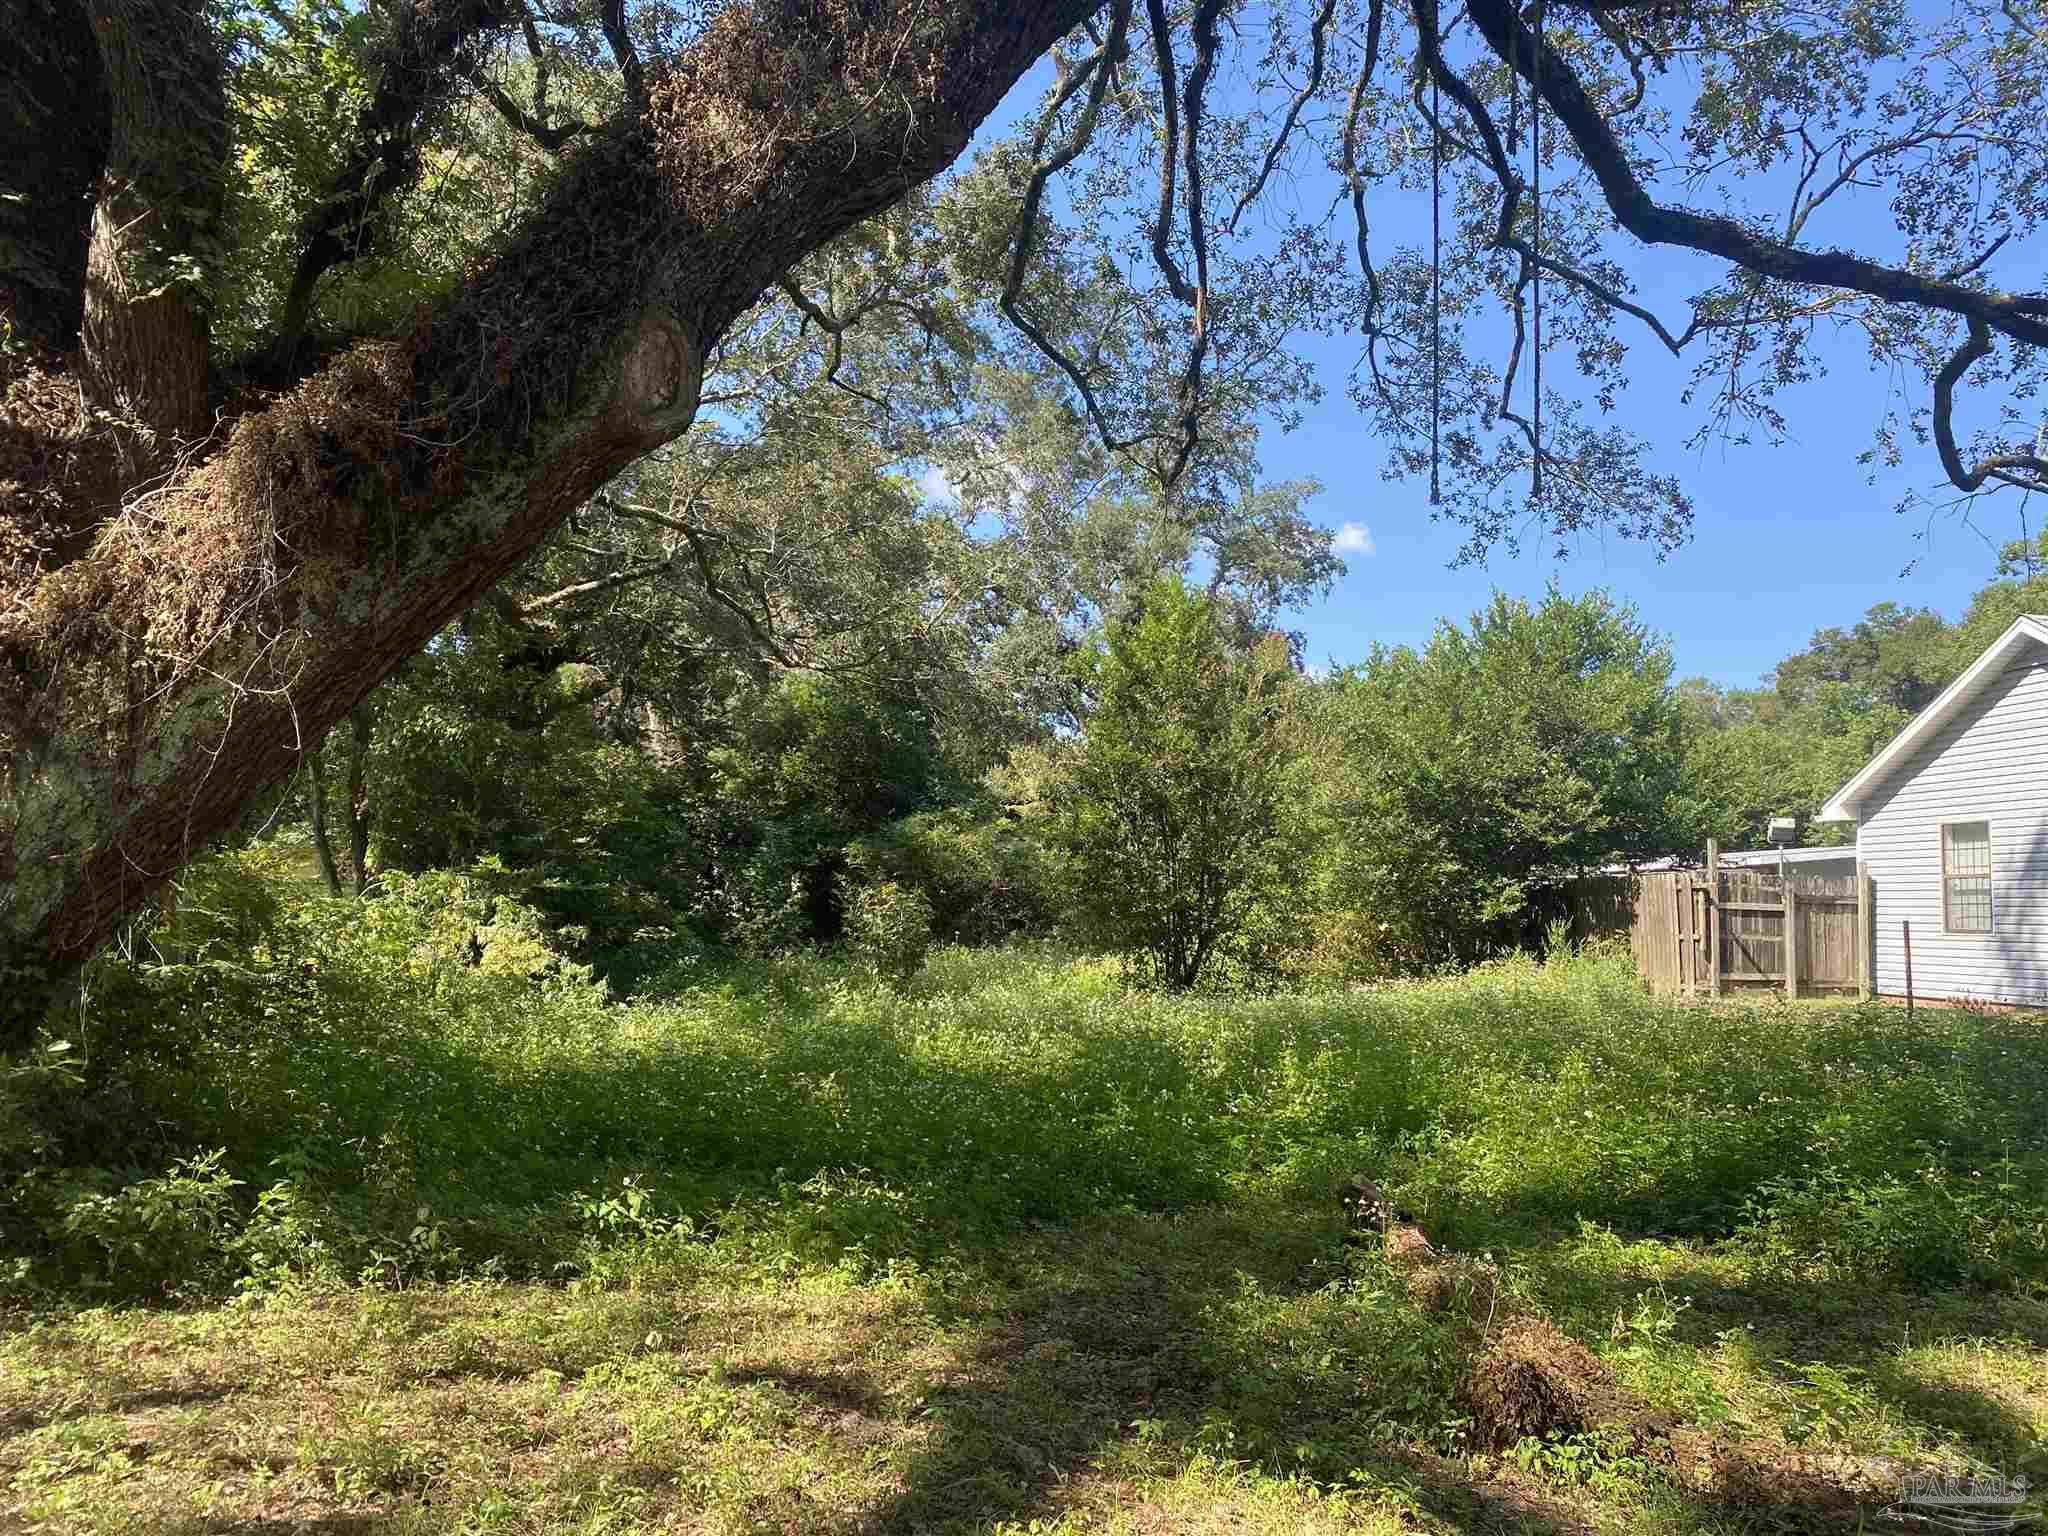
1015,1246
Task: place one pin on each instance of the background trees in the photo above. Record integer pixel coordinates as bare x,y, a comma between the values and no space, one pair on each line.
1504,758
1783,747
659,799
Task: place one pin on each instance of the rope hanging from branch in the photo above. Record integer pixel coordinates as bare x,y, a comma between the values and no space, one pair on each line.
1436,285
1536,244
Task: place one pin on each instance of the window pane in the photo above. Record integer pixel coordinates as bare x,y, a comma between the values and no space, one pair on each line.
1969,848
1969,905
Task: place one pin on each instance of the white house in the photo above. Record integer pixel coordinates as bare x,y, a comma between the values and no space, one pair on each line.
1952,827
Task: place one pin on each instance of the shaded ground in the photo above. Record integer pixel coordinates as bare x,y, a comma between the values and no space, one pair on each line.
1233,1369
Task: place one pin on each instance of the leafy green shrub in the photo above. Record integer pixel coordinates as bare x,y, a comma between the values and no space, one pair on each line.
52,1068
356,1064
155,1233
1929,1228
442,923
291,1237
223,906
1540,737
888,931
989,878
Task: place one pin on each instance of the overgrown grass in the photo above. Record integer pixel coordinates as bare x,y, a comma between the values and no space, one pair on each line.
379,1092
786,1251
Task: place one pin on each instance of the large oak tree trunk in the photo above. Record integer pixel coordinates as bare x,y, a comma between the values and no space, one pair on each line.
145,329
49,75
220,626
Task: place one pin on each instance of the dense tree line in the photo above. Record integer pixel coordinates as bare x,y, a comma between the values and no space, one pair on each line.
1785,745
1163,777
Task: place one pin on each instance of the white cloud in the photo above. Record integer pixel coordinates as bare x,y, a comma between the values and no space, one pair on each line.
1353,539
934,486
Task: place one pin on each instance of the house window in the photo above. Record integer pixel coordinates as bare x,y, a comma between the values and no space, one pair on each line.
1966,876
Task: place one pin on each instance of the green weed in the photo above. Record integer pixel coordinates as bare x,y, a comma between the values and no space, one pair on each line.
335,1093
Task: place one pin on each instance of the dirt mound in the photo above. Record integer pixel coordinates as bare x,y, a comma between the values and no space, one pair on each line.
1453,1282
1432,1287
1534,1380
1407,1247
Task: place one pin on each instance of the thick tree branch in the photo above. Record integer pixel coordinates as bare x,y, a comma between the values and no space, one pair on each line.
2019,318
1207,43
759,630
533,124
1169,136
836,326
1355,179
1494,151
2019,469
623,52
537,55
1094,73
611,582
344,525
419,67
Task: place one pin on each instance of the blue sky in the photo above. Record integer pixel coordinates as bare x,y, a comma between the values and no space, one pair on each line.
1786,540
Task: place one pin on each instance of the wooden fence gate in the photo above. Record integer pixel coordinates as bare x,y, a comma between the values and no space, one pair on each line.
1714,931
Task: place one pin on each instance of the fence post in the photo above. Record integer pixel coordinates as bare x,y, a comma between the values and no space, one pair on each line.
1681,931
1713,917
1791,944
1866,935
1906,940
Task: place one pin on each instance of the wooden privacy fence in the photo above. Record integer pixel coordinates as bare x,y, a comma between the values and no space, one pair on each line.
1709,932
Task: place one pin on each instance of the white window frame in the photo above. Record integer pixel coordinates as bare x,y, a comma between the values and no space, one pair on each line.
1990,865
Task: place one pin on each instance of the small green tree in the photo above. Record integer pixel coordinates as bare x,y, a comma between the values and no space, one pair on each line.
888,931
1179,804
1538,742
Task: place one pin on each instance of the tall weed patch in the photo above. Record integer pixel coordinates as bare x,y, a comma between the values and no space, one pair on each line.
416,1085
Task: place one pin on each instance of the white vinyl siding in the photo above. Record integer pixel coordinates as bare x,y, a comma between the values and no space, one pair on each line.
1980,782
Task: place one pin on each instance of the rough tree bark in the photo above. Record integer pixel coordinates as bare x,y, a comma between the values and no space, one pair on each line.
146,334
49,72
152,685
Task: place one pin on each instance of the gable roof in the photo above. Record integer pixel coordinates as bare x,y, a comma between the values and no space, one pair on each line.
1847,801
